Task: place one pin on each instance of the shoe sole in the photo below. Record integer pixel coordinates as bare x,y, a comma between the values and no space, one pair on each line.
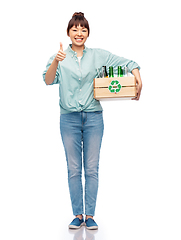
92,228
76,227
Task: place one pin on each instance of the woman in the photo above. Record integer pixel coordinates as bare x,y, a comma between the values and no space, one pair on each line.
81,121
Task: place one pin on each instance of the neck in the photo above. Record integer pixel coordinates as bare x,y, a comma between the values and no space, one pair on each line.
78,50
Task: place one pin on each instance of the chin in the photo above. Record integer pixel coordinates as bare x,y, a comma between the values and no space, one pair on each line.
78,44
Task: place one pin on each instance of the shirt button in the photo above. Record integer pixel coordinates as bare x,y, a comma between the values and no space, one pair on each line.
80,90
79,79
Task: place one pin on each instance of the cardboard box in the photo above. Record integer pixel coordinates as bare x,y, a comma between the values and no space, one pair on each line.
117,87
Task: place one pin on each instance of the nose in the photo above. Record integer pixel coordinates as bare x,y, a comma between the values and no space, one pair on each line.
79,33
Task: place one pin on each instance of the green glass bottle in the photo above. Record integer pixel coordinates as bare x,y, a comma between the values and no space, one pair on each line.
111,72
120,71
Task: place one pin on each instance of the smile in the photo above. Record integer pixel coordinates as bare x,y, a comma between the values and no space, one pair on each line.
78,39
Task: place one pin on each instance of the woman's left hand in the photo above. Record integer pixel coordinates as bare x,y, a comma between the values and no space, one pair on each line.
136,73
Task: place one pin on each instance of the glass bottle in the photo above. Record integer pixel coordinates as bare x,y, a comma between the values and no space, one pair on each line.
125,71
120,71
111,72
104,72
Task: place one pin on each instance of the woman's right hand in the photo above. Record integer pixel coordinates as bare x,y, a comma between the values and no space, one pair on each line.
61,55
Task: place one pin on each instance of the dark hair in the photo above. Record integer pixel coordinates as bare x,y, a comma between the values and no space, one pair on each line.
78,19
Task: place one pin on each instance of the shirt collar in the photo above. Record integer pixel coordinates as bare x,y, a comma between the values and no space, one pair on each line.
73,52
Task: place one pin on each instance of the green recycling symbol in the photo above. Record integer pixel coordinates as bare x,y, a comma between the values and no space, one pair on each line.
115,86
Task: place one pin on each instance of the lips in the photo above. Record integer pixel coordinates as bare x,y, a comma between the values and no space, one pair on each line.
78,39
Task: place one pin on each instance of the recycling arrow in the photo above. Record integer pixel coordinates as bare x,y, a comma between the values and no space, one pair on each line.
115,86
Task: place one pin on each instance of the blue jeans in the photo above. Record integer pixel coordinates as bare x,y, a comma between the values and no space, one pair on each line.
82,136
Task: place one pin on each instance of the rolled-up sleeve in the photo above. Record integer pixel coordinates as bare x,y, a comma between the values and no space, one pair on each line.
57,75
115,61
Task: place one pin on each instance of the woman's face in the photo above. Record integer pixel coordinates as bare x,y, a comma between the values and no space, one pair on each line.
78,35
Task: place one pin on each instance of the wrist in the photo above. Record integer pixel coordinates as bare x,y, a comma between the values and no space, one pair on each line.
55,60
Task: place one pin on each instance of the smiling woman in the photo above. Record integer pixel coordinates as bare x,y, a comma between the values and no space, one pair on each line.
78,19
78,36
78,31
81,119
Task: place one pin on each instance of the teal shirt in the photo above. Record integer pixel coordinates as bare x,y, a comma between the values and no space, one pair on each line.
76,80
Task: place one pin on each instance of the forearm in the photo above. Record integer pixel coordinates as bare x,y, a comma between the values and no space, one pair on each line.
136,73
51,72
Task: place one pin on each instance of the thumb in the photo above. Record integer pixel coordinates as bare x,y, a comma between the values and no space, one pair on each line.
61,46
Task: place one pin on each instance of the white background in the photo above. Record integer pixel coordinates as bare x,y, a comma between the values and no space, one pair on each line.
140,181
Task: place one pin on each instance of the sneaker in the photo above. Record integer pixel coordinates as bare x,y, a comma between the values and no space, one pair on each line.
76,223
91,224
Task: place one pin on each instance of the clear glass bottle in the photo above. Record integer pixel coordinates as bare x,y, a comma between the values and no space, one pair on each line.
104,72
125,72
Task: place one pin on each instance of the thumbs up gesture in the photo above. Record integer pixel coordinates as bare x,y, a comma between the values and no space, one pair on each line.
61,55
